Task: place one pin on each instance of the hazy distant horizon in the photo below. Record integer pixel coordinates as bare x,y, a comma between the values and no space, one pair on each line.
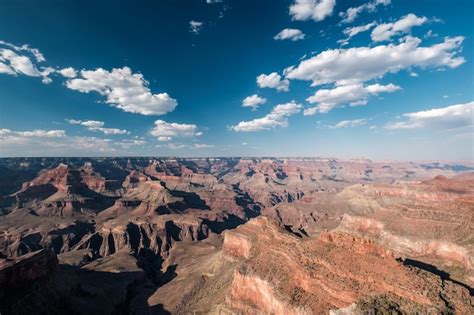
447,161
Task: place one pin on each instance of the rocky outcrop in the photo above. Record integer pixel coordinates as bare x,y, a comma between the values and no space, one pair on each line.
59,238
248,293
437,251
266,270
236,244
155,236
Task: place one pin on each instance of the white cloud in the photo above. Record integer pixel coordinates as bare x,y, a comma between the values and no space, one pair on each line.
352,13
274,81
349,123
95,125
386,31
317,10
276,118
14,61
38,133
253,101
195,26
123,89
178,146
454,116
52,142
45,72
112,131
17,64
430,34
353,31
127,144
133,142
92,123
35,52
289,33
203,146
359,64
6,69
353,94
69,72
213,1
57,143
165,131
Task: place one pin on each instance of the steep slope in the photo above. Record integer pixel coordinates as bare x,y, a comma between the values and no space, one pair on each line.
260,268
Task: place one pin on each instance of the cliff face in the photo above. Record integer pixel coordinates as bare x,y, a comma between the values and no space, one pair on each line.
443,253
67,208
35,283
430,220
137,236
22,276
250,293
270,271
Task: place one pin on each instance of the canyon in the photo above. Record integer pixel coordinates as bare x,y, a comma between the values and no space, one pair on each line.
148,235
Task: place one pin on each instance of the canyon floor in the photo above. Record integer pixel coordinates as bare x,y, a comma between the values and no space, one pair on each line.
236,236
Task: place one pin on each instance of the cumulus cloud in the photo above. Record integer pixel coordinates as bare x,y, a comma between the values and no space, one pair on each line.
95,125
195,26
166,131
349,123
274,81
13,64
386,31
123,89
278,117
69,72
353,31
352,94
26,48
454,116
18,64
253,101
359,64
316,10
21,60
290,34
352,13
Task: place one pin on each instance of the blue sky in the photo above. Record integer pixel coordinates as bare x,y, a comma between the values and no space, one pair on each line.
172,78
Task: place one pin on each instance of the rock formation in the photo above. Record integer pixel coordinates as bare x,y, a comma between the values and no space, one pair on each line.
235,235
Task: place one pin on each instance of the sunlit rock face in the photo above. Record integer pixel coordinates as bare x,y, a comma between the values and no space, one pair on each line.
261,268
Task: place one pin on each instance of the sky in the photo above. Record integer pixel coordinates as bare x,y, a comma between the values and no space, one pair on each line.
381,79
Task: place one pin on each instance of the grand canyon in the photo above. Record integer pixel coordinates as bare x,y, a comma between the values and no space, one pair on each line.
236,157
235,236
